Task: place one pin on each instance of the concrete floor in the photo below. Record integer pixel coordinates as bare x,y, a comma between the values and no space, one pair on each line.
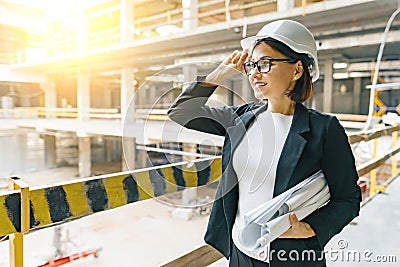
140,234
375,234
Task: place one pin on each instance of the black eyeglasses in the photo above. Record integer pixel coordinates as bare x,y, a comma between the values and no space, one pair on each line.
264,64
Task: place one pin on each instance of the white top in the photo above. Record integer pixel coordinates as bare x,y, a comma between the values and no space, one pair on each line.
255,161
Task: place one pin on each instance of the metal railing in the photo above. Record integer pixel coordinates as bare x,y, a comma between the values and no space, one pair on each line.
372,165
206,255
25,209
43,112
96,113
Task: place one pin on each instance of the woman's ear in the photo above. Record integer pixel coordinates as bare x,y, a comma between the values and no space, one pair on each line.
298,70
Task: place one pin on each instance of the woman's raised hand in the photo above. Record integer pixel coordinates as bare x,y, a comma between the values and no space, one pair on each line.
236,60
231,66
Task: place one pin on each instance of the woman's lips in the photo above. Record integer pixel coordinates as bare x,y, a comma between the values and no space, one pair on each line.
260,84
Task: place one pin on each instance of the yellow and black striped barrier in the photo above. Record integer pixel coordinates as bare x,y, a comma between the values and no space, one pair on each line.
10,212
59,203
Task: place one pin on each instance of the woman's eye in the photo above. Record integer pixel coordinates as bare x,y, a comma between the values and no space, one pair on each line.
264,64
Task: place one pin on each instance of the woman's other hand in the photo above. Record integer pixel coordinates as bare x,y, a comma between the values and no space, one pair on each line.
298,229
231,66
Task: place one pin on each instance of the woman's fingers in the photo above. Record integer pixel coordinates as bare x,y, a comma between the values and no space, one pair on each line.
243,57
298,229
236,57
294,222
236,60
291,232
228,60
240,57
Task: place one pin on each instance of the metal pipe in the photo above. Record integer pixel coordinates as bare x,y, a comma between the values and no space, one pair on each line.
173,152
377,65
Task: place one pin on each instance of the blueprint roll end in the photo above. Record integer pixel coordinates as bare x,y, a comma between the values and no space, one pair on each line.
263,241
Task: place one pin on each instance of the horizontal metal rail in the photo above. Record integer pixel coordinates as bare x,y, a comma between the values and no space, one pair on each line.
372,134
35,112
376,162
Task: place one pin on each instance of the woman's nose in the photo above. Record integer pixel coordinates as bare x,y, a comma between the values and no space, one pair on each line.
254,73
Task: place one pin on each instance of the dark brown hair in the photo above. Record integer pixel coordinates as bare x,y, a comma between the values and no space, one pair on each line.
303,89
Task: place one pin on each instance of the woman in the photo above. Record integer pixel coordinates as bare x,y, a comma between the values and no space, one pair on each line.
272,146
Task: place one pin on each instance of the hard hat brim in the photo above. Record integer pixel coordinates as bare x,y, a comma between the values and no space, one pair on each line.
249,42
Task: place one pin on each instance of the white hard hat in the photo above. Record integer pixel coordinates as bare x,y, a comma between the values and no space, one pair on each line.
292,33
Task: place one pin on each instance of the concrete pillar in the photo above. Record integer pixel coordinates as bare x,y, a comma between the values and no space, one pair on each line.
189,195
285,5
81,31
50,97
127,17
107,94
356,94
7,102
142,158
50,151
85,162
151,96
328,85
83,96
140,94
108,145
189,73
127,91
129,154
190,13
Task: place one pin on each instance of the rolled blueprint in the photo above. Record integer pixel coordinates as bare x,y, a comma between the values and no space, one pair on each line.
268,221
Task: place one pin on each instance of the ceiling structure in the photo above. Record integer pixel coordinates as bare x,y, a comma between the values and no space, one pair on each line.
349,31
19,27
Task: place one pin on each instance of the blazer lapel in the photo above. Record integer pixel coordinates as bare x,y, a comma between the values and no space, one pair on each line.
233,138
237,132
292,149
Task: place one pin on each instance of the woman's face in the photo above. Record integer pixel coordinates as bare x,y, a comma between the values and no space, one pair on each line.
278,81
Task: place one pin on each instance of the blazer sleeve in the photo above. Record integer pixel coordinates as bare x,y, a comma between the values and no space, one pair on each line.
190,110
338,165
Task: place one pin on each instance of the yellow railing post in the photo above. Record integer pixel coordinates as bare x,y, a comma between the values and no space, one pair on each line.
395,171
303,7
372,184
17,239
373,188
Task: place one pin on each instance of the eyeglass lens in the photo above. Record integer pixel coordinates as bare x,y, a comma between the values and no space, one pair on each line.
262,66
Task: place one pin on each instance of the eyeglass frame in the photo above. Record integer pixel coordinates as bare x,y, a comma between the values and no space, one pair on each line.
256,65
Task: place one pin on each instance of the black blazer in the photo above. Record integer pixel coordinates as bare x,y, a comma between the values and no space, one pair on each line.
315,141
